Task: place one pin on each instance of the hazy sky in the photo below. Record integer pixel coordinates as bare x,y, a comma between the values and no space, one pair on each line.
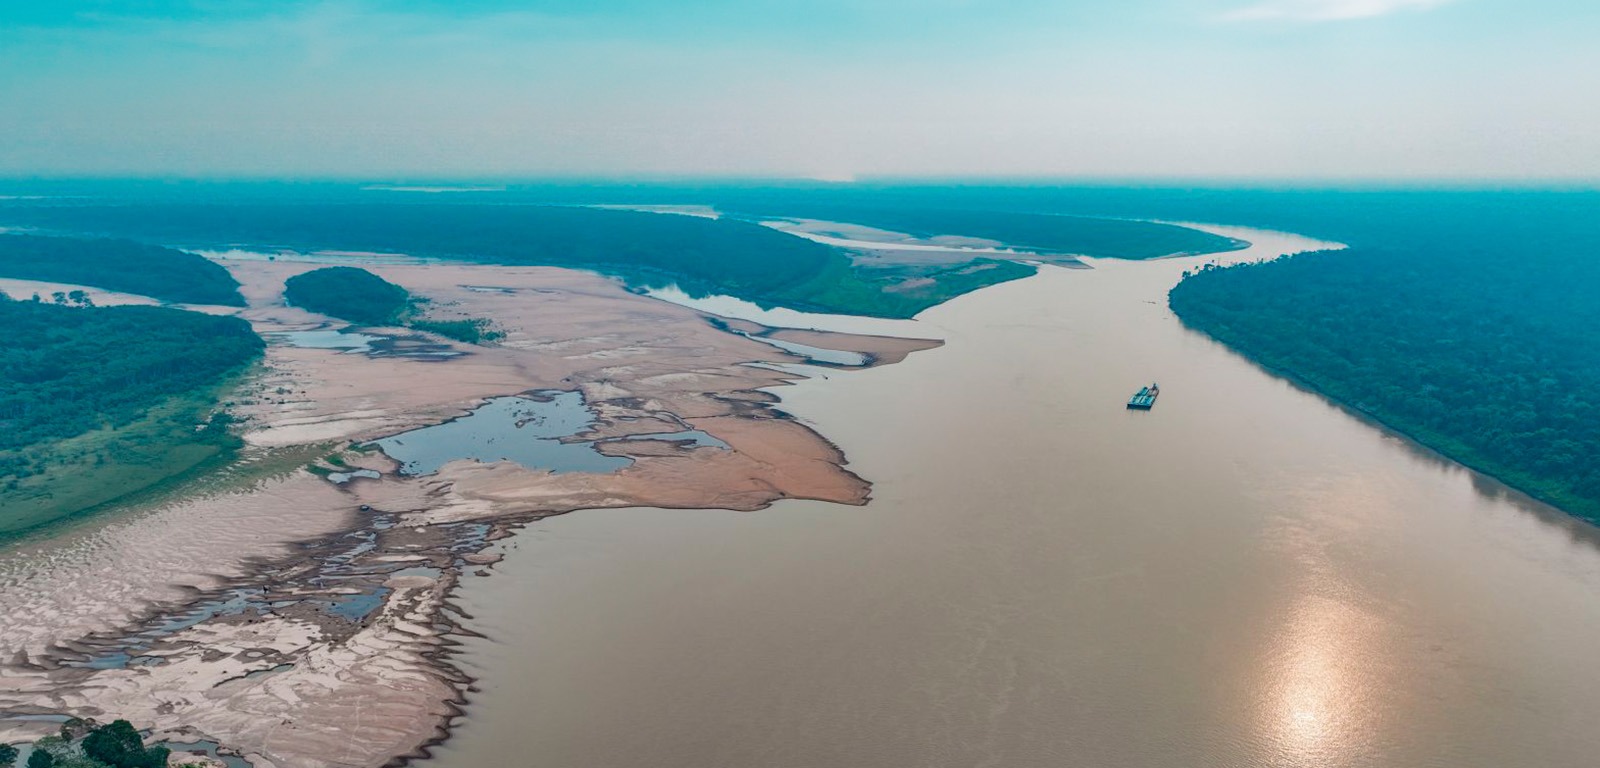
818,88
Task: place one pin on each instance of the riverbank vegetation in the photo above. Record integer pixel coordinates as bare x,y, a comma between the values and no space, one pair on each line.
471,331
1475,345
100,402
118,265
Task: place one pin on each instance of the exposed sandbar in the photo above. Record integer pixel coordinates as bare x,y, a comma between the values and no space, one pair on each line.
304,623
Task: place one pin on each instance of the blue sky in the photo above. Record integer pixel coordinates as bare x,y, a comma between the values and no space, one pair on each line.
1431,89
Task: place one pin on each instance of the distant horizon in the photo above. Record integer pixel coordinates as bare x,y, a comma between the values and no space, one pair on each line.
496,183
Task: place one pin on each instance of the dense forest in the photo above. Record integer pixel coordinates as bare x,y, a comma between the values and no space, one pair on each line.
350,294
118,265
1475,343
733,257
701,255
97,402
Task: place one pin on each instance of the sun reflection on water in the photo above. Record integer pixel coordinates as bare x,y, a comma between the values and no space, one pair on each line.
1316,707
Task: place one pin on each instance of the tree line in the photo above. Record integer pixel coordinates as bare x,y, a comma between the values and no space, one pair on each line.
1478,346
68,370
734,257
348,293
119,265
701,255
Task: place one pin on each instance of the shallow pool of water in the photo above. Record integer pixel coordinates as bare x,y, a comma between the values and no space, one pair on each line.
526,430
357,606
348,341
779,317
273,670
340,478
817,354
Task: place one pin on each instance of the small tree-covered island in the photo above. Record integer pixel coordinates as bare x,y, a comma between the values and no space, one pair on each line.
356,295
348,293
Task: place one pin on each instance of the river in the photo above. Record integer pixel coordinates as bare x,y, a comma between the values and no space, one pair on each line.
1245,576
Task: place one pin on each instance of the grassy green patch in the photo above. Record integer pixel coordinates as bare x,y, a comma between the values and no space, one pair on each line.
471,331
96,403
898,291
66,476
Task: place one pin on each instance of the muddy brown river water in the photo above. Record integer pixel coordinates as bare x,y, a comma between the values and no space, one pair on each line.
1245,576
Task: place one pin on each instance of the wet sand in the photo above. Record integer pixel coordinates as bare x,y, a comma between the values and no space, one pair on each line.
303,623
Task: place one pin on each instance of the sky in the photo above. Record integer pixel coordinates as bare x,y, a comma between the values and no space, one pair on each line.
825,89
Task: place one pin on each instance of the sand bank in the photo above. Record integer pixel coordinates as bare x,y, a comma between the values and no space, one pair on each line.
305,623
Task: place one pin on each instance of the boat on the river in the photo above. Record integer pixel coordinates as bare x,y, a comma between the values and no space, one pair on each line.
1145,398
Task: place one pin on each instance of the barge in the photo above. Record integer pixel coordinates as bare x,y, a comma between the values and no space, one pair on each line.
1145,398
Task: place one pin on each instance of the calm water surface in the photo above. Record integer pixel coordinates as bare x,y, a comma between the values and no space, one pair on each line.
815,354
1245,576
347,340
525,430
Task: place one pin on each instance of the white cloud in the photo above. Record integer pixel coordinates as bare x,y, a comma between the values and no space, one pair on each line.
1326,10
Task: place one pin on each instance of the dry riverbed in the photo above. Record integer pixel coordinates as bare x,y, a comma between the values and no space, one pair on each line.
303,622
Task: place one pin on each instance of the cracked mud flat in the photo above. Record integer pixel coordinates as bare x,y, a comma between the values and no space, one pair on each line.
299,622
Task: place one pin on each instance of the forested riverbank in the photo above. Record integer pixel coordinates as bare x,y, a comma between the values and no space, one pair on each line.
1477,342
100,402
119,265
701,255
